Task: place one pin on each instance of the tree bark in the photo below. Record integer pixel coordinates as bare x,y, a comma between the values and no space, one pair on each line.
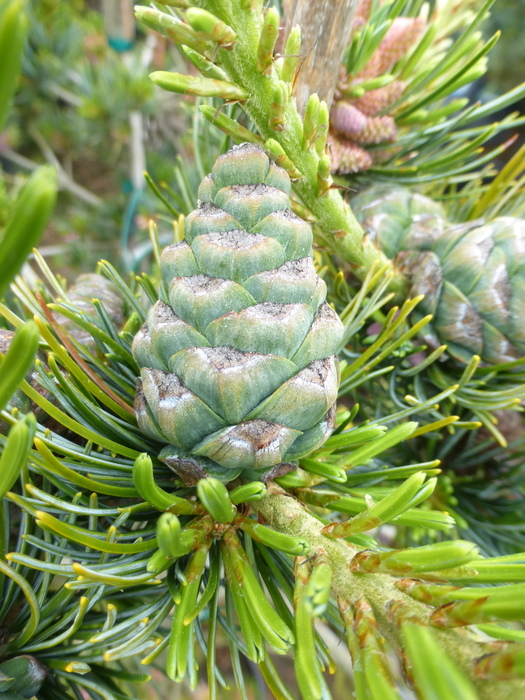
326,26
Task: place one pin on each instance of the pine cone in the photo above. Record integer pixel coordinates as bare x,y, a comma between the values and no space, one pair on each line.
474,284
351,123
360,121
88,287
398,219
347,157
376,101
362,13
402,34
237,356
472,276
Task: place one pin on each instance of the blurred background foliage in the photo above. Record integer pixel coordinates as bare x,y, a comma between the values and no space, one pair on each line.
74,108
507,60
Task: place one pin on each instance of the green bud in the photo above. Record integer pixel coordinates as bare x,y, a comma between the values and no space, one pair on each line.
210,27
272,538
496,605
206,67
323,119
144,482
327,471
267,41
425,492
387,509
27,222
171,27
194,85
17,361
133,324
355,92
310,120
158,562
229,126
181,655
13,33
298,479
432,557
372,84
173,541
324,178
215,498
207,594
307,667
278,105
278,66
16,451
270,624
291,55
248,492
319,584
418,116
281,159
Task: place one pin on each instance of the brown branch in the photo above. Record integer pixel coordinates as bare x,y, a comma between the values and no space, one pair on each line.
326,26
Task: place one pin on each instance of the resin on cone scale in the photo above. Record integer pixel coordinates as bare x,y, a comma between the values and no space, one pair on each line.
239,374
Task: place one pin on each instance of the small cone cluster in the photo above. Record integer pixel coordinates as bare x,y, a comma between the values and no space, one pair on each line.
359,121
238,355
472,276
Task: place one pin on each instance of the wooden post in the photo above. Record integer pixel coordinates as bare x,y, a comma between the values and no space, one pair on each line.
326,27
119,20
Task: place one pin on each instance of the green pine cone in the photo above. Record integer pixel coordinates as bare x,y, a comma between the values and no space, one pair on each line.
474,284
473,277
238,355
88,287
398,219
21,676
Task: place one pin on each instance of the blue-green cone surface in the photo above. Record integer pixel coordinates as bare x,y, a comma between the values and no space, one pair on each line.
238,355
472,275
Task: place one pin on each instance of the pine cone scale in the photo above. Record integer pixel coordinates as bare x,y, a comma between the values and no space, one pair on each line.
230,381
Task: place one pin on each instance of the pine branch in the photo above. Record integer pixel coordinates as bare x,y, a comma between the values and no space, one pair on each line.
268,102
285,514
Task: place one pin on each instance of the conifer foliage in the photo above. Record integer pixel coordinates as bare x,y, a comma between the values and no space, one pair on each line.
185,479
